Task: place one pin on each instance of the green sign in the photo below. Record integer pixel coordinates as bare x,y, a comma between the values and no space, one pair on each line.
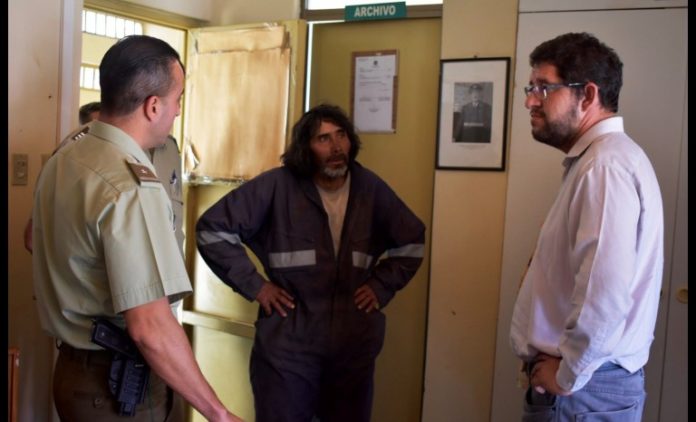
366,12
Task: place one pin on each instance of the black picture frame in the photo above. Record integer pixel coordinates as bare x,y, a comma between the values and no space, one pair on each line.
472,114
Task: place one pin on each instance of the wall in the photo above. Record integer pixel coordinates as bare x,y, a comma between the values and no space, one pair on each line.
404,160
33,99
468,217
200,9
242,11
227,12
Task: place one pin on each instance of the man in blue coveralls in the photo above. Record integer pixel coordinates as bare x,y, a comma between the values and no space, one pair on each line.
319,224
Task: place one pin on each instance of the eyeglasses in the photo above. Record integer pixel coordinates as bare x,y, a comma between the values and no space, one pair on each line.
542,91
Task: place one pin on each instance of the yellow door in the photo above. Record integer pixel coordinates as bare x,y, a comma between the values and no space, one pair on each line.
223,144
405,160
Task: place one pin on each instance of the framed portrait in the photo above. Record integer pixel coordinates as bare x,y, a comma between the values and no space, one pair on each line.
472,117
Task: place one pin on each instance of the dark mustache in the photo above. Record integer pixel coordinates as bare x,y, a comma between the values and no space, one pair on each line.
343,157
536,112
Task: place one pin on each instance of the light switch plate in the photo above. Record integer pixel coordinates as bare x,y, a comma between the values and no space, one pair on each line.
20,169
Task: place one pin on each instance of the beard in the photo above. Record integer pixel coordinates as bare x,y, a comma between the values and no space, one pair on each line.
558,133
335,172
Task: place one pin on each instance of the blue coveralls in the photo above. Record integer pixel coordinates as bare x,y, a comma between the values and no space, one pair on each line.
319,360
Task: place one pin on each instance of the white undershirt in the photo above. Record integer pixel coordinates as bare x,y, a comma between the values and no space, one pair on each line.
335,202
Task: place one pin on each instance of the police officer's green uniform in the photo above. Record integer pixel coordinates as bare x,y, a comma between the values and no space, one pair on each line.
103,243
167,162
74,136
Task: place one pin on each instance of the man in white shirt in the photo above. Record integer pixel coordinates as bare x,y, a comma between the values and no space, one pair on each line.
585,314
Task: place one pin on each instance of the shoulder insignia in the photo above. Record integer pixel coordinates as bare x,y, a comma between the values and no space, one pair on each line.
143,173
80,133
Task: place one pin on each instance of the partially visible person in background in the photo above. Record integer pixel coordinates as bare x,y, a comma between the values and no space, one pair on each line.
89,112
167,161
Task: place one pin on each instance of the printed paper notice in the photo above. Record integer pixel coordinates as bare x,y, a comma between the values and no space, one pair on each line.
374,93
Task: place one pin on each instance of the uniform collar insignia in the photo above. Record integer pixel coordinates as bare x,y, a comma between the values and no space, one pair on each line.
143,173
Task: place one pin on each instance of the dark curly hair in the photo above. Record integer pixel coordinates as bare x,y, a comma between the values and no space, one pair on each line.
298,156
581,57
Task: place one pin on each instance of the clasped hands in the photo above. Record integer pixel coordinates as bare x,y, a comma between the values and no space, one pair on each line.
543,376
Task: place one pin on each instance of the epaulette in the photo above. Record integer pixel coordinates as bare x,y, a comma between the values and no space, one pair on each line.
80,133
142,173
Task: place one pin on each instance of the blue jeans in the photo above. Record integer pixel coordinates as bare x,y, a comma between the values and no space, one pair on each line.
612,395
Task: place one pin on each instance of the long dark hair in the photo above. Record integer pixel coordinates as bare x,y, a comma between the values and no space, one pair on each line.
298,156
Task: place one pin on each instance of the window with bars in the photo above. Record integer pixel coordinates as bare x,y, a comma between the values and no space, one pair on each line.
89,77
104,24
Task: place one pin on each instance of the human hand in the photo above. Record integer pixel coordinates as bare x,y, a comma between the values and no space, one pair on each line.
227,416
365,298
543,376
273,297
234,418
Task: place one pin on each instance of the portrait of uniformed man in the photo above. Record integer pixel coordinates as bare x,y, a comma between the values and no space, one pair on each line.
472,123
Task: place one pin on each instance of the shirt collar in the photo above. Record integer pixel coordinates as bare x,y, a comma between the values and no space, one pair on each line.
120,138
611,124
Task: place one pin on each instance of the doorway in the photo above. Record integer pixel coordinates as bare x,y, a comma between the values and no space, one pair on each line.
405,160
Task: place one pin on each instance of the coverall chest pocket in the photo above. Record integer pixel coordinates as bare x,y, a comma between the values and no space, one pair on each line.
361,255
291,252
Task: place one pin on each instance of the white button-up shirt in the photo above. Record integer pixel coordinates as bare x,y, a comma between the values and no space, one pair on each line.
591,292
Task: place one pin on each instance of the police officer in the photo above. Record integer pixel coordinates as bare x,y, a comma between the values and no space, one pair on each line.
474,123
165,157
167,162
88,112
104,244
